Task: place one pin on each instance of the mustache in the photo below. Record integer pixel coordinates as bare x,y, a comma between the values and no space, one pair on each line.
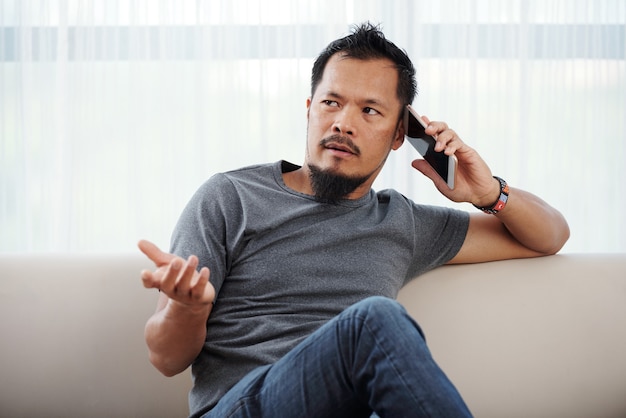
341,140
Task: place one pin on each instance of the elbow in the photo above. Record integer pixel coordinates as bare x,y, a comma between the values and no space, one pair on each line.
561,243
560,237
563,235
166,368
166,361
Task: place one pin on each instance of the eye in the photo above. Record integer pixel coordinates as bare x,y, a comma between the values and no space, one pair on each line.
330,103
370,111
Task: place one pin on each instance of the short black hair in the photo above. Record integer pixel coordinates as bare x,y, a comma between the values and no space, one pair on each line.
367,41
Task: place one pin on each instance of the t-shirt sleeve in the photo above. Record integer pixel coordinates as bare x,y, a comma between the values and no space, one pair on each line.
202,229
439,235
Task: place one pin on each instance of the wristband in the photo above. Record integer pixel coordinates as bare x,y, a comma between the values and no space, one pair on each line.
501,202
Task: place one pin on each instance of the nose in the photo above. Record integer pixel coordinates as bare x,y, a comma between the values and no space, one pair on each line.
345,122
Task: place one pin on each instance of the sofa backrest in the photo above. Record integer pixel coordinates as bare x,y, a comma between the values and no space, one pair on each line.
520,338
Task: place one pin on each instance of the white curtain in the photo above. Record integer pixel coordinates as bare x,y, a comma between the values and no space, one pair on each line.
112,112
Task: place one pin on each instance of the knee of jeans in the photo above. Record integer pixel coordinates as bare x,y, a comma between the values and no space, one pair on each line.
378,307
384,309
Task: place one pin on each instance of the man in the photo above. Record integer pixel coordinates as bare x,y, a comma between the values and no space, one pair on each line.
298,318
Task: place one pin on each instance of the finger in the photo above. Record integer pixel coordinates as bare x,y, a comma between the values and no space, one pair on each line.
154,253
186,277
435,128
423,167
426,169
448,142
201,290
168,282
148,279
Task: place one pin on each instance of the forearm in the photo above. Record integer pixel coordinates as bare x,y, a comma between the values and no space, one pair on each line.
175,335
533,223
526,227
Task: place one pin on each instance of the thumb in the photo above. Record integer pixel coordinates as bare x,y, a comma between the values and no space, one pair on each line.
426,169
423,167
154,253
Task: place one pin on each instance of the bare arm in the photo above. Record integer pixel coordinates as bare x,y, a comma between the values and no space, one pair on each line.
176,332
526,227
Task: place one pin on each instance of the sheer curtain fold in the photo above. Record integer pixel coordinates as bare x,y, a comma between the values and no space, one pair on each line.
113,112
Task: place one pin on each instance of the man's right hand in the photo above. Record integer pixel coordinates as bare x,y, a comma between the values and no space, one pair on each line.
176,277
176,332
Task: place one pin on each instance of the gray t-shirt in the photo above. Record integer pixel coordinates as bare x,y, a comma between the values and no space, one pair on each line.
283,263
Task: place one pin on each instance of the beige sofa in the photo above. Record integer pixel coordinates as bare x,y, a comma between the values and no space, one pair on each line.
521,338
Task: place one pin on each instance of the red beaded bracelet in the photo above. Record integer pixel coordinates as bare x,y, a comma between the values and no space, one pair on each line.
501,202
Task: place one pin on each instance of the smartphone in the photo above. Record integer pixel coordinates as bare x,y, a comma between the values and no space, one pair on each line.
415,133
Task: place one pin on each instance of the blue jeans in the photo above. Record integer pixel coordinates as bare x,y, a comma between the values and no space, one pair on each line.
370,359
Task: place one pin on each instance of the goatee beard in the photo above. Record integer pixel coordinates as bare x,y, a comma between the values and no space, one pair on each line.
329,187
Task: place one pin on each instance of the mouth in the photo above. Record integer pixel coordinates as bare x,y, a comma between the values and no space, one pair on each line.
344,149
340,146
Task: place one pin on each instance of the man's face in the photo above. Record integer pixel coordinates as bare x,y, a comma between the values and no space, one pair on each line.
353,120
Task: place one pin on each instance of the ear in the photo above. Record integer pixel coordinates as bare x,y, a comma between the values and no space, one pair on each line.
308,107
398,140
